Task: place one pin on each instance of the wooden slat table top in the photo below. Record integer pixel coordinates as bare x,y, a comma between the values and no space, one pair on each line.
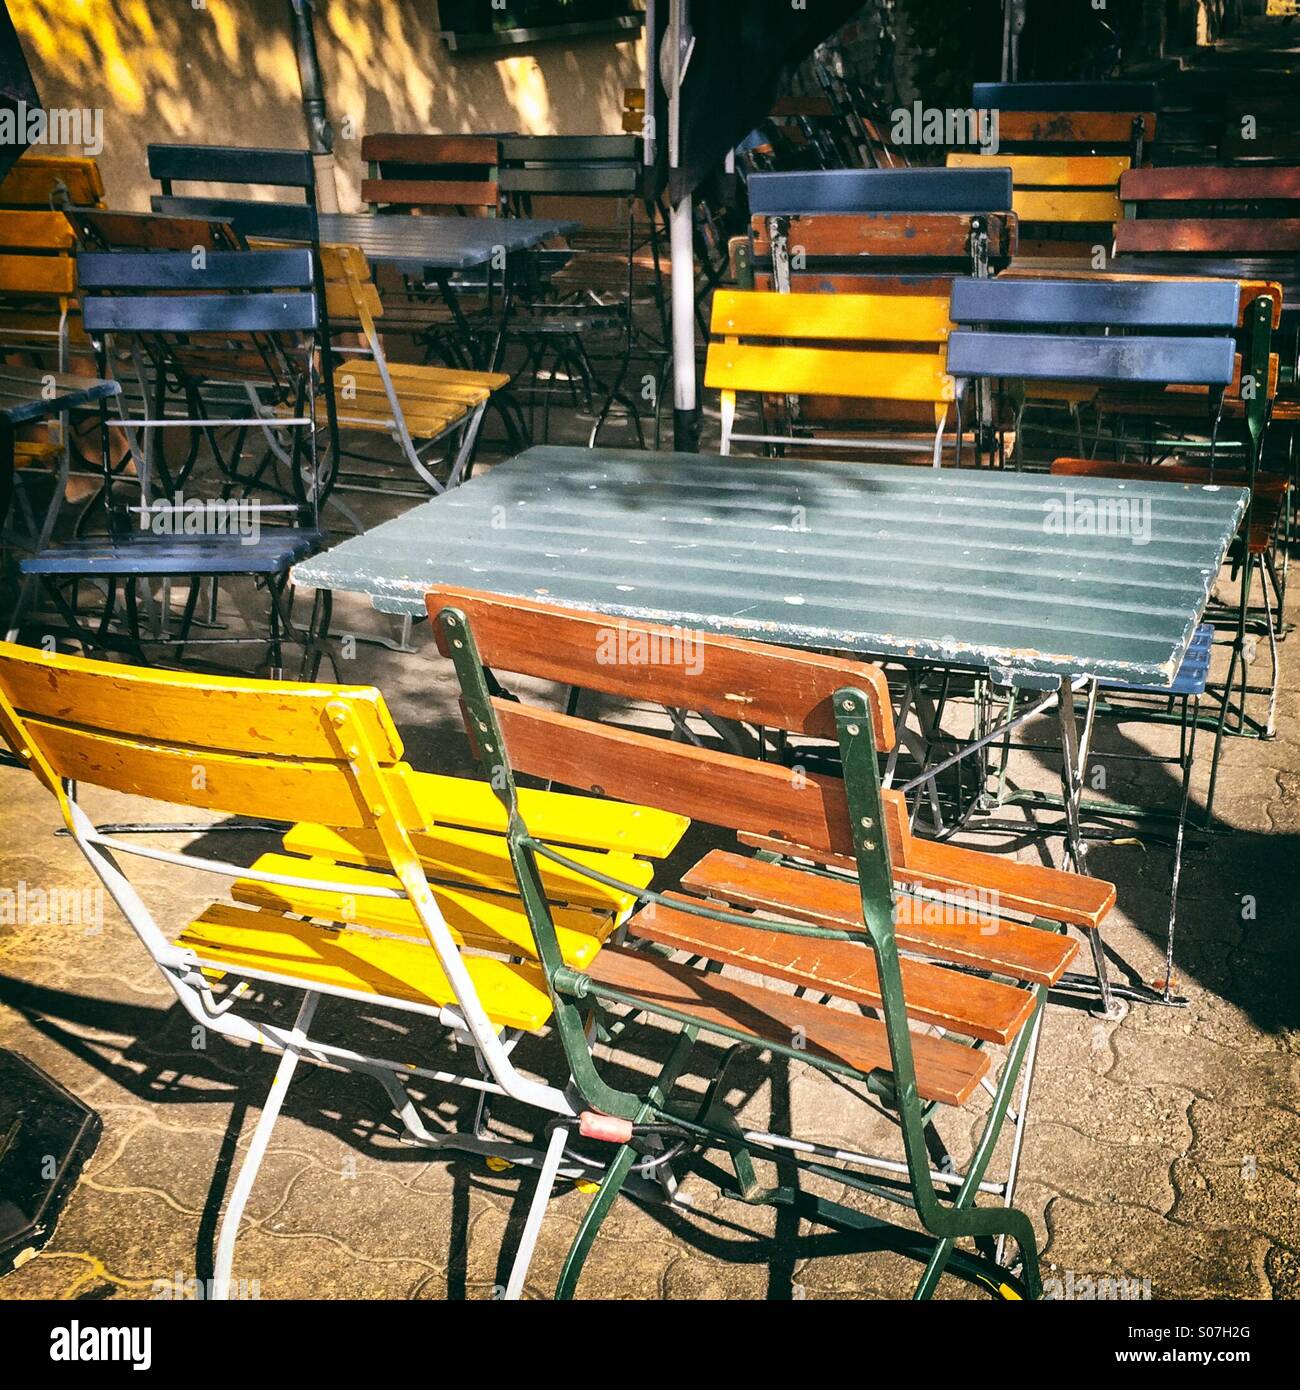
960,566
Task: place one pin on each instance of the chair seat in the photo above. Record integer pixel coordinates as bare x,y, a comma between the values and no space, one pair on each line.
265,945
967,936
485,919
146,554
946,1071
29,452
953,1000
432,399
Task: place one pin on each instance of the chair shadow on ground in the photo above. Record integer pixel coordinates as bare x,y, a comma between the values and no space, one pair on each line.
157,1063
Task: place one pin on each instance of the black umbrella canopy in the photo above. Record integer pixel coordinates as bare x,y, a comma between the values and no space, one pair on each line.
16,88
741,54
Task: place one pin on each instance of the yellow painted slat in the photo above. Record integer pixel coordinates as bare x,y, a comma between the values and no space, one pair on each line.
229,938
560,817
486,921
479,859
898,376
831,317
33,229
221,712
35,178
37,275
1065,205
257,786
1050,170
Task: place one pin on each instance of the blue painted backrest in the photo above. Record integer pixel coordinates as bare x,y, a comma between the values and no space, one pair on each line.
1010,342
228,292
880,190
228,164
1064,96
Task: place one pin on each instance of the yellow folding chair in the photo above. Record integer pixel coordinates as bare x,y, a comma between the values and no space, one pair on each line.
396,891
864,359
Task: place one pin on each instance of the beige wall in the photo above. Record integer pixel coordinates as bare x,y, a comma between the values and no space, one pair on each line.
223,72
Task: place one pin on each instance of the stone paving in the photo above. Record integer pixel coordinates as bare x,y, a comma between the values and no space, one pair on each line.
1162,1148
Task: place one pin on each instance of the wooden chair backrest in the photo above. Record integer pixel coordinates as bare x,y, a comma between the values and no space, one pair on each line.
837,216
437,173
52,180
1084,116
1057,189
350,291
243,168
230,292
1238,211
865,346
101,230
245,747
775,687
36,255
1069,330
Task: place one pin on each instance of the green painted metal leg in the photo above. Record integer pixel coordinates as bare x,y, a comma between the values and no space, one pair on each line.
610,1186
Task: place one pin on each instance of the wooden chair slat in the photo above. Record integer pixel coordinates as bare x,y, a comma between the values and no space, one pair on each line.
1225,235
1022,952
831,317
231,713
771,686
1198,183
430,149
430,192
906,376
967,1004
947,1072
1050,171
718,788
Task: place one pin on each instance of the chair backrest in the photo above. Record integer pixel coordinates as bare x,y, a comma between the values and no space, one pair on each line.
569,166
1067,198
705,672
437,173
1071,117
100,230
294,170
1149,332
246,168
863,347
35,262
52,180
1204,210
245,747
842,223
229,292
880,191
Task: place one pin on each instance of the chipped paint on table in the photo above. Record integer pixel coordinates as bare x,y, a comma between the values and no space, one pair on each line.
957,566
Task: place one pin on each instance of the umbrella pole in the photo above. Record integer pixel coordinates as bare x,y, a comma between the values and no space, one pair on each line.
320,135
686,423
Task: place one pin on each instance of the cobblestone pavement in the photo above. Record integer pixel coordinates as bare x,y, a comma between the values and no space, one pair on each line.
1162,1148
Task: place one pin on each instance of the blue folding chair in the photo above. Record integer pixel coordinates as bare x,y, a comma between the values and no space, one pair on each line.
180,326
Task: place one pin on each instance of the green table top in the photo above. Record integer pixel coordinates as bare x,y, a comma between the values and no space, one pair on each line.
1013,572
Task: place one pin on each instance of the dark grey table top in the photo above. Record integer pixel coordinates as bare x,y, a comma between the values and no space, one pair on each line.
438,243
996,570
25,393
